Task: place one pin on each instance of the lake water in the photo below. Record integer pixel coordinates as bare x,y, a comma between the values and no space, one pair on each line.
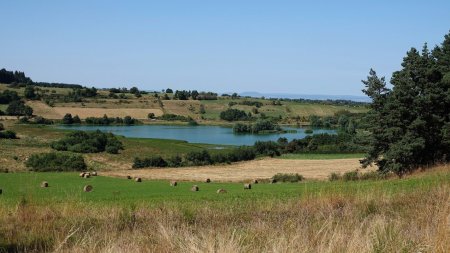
196,134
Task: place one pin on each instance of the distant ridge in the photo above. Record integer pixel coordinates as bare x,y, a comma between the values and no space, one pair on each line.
305,96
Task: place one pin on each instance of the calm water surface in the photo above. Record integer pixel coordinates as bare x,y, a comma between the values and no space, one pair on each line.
196,134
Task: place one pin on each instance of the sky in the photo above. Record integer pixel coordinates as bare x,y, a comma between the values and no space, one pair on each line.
297,47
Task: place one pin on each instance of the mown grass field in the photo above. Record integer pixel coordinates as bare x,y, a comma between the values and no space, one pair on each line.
321,156
395,215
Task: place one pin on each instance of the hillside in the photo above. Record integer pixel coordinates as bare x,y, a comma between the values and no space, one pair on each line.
128,104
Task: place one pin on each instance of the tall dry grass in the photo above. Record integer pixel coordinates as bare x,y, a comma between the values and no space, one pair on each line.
416,221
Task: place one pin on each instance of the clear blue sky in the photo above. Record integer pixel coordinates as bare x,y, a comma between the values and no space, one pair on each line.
308,47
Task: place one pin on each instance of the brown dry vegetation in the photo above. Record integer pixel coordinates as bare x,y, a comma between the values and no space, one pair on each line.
262,169
416,220
58,112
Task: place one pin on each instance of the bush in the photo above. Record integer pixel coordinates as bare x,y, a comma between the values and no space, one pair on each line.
172,117
308,131
350,176
270,148
105,120
153,161
2,127
234,115
18,108
89,142
175,161
56,162
8,135
198,158
334,176
286,177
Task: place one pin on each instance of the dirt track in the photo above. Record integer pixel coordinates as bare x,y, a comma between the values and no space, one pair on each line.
258,169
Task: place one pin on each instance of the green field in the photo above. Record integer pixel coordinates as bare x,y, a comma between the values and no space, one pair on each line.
67,187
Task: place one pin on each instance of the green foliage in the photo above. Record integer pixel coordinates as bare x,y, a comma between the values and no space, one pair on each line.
88,142
105,120
409,122
29,92
269,148
18,108
56,162
173,117
8,134
286,177
309,131
233,115
257,104
262,125
153,161
8,96
350,176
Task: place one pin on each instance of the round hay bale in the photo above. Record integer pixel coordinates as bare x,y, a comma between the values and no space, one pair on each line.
247,186
208,180
173,183
255,181
94,173
138,179
221,191
88,188
194,188
87,175
272,181
44,184
128,177
82,174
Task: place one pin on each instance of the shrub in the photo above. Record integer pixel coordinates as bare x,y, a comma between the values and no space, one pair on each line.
334,176
172,117
233,115
350,176
153,161
8,135
56,162
270,148
309,131
88,142
2,127
175,161
18,108
198,157
286,177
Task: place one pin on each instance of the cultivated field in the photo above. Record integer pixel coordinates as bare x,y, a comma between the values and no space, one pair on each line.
245,171
56,112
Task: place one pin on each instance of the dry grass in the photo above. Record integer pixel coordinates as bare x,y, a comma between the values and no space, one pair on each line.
262,169
416,221
58,112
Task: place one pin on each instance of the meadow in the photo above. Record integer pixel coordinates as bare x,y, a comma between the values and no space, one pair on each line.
393,215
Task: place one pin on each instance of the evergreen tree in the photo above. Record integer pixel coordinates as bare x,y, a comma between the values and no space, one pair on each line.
410,123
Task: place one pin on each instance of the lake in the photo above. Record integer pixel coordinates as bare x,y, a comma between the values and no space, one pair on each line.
196,134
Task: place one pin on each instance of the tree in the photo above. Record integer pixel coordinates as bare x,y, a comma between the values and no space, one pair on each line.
29,92
76,120
409,123
169,90
67,119
18,108
134,90
194,94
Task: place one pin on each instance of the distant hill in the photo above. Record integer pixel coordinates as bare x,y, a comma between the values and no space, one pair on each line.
305,96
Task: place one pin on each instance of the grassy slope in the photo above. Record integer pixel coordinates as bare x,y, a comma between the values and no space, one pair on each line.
397,215
192,107
36,139
68,187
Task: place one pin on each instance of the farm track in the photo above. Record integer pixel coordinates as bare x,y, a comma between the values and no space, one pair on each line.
237,172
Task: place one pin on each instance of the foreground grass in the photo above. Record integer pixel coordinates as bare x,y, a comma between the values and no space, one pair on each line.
321,156
397,215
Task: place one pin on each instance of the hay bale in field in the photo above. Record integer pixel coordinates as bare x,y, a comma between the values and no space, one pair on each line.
255,181
88,188
173,183
87,175
272,181
247,186
82,174
221,191
44,184
128,177
138,179
208,180
94,173
194,188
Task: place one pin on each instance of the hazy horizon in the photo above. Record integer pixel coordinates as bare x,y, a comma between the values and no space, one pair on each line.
285,47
